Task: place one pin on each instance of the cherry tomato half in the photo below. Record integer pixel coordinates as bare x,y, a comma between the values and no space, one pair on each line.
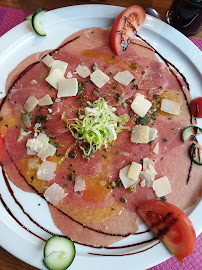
171,225
196,107
124,28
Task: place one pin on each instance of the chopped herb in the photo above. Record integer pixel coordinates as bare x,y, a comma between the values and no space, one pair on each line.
110,73
164,139
72,154
144,120
32,177
154,115
113,56
96,91
51,88
131,189
83,84
104,156
118,97
143,72
123,199
71,176
157,97
131,112
65,185
163,198
95,66
114,87
119,183
133,80
163,158
113,184
51,137
80,89
106,149
53,99
47,117
50,106
79,192
112,209
136,65
169,118
6,125
39,204
40,108
1,118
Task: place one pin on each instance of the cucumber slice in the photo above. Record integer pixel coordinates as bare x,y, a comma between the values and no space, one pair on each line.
28,17
36,22
59,253
195,154
190,131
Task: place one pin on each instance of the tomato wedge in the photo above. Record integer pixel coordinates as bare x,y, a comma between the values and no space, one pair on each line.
171,225
196,107
124,28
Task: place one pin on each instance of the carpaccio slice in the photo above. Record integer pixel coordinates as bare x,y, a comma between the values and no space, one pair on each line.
99,215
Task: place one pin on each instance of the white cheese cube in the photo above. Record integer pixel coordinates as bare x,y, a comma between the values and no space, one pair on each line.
152,134
124,77
80,184
99,78
49,151
67,87
142,183
55,194
83,71
32,164
140,134
46,170
60,65
170,106
162,186
149,178
54,76
156,148
30,103
69,74
46,100
47,60
127,182
38,144
134,171
31,152
140,105
23,134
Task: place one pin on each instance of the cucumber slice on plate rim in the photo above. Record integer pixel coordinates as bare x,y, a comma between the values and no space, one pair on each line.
37,25
59,253
191,131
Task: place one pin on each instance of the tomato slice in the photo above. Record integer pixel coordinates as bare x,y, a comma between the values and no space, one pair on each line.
171,225
196,107
1,145
124,28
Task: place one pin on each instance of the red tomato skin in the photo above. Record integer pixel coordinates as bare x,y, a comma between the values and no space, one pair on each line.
180,237
115,36
196,104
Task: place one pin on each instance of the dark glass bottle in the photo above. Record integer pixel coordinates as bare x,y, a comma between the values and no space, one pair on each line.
185,16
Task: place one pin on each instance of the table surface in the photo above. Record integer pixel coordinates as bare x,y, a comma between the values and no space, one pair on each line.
7,261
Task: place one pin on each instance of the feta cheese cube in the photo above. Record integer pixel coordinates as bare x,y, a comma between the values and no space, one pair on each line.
60,65
47,60
54,76
46,100
127,182
142,183
134,171
67,87
162,186
140,134
49,151
83,71
46,170
80,184
124,77
99,78
54,194
69,75
30,103
156,148
140,105
170,106
152,134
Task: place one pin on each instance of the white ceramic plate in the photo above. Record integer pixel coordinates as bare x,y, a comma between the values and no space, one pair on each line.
19,43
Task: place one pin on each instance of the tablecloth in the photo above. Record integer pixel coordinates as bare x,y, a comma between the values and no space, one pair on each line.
12,17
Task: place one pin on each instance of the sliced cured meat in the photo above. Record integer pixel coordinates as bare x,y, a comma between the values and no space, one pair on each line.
104,207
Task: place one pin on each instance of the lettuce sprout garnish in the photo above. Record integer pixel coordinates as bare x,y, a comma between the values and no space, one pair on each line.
98,126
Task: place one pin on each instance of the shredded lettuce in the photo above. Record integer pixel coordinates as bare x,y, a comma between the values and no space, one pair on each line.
98,126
